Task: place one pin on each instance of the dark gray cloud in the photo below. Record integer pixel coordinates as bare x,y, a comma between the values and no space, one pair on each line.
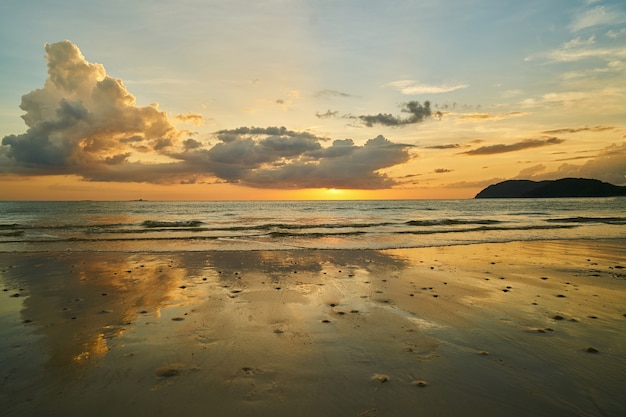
190,143
342,165
297,161
442,170
447,146
518,146
578,129
417,114
327,115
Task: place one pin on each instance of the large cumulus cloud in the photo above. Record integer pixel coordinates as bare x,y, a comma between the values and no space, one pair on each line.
84,122
81,117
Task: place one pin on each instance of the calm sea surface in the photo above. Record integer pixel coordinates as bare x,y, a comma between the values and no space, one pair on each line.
254,225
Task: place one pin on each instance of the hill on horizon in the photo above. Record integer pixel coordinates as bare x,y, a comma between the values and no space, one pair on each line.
562,188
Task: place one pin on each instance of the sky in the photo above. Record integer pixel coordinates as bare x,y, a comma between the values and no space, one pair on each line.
307,99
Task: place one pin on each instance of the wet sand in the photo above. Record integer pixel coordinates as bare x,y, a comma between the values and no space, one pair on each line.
515,329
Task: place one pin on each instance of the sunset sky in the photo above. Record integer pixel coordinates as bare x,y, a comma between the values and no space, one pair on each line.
303,99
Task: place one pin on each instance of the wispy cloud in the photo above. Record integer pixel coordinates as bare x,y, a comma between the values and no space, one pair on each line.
578,129
412,87
608,165
597,16
513,147
194,118
482,117
332,93
614,34
447,146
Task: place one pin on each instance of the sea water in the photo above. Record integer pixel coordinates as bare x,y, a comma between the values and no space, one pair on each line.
153,226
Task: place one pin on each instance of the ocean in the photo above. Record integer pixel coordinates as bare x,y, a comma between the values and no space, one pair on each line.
158,226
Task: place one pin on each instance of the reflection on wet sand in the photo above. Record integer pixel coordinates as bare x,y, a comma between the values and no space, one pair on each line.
356,333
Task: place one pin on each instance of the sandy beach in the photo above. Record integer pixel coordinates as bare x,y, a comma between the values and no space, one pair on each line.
509,329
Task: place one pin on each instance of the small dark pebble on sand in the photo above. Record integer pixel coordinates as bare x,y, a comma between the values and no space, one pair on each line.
178,319
560,296
592,350
558,317
15,295
325,321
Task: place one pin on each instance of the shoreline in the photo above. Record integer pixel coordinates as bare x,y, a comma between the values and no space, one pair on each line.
236,245
518,328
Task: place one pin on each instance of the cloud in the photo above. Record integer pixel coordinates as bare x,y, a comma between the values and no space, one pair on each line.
597,16
580,53
578,49
80,118
418,113
331,93
298,160
518,146
194,118
447,146
442,170
327,115
480,117
608,165
85,123
412,87
614,34
578,129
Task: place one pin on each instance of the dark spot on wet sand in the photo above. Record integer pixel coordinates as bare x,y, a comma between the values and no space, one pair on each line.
167,372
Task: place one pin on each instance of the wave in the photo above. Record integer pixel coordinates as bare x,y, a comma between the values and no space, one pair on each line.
315,234
12,233
581,219
180,223
449,222
487,228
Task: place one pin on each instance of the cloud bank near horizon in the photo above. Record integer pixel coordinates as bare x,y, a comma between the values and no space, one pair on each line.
86,123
